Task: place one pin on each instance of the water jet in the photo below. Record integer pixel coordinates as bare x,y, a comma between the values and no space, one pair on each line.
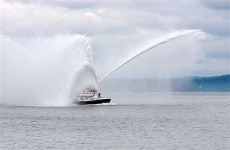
156,43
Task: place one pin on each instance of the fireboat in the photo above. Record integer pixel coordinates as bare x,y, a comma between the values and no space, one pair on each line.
90,96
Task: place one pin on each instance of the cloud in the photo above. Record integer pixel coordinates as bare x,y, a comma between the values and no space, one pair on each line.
28,19
20,19
118,28
71,4
123,17
217,49
216,4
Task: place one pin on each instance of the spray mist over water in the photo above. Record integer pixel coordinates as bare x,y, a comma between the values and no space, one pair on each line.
46,71
171,37
52,71
84,75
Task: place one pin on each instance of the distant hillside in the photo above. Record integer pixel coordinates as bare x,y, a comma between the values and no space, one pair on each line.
184,84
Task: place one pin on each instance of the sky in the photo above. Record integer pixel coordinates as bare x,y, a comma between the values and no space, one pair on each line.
119,28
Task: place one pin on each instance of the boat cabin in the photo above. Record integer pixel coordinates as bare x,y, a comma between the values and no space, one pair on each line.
88,93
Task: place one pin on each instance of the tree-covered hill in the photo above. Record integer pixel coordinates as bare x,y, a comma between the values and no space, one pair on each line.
184,84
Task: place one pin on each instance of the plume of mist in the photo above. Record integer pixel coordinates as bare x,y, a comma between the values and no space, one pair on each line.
42,71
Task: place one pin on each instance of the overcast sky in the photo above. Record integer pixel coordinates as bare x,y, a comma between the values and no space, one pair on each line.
118,28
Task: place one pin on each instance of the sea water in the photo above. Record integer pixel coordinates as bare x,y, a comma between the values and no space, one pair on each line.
137,121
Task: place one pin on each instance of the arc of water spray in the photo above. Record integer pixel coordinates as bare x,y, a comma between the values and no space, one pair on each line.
160,42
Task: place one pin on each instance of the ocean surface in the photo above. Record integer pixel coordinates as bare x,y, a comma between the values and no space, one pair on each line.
133,121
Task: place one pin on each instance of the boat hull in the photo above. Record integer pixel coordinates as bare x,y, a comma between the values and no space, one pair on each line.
94,101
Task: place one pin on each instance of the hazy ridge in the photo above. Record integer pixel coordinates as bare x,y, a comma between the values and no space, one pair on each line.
183,84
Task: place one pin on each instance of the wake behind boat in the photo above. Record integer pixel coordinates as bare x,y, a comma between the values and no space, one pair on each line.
91,96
